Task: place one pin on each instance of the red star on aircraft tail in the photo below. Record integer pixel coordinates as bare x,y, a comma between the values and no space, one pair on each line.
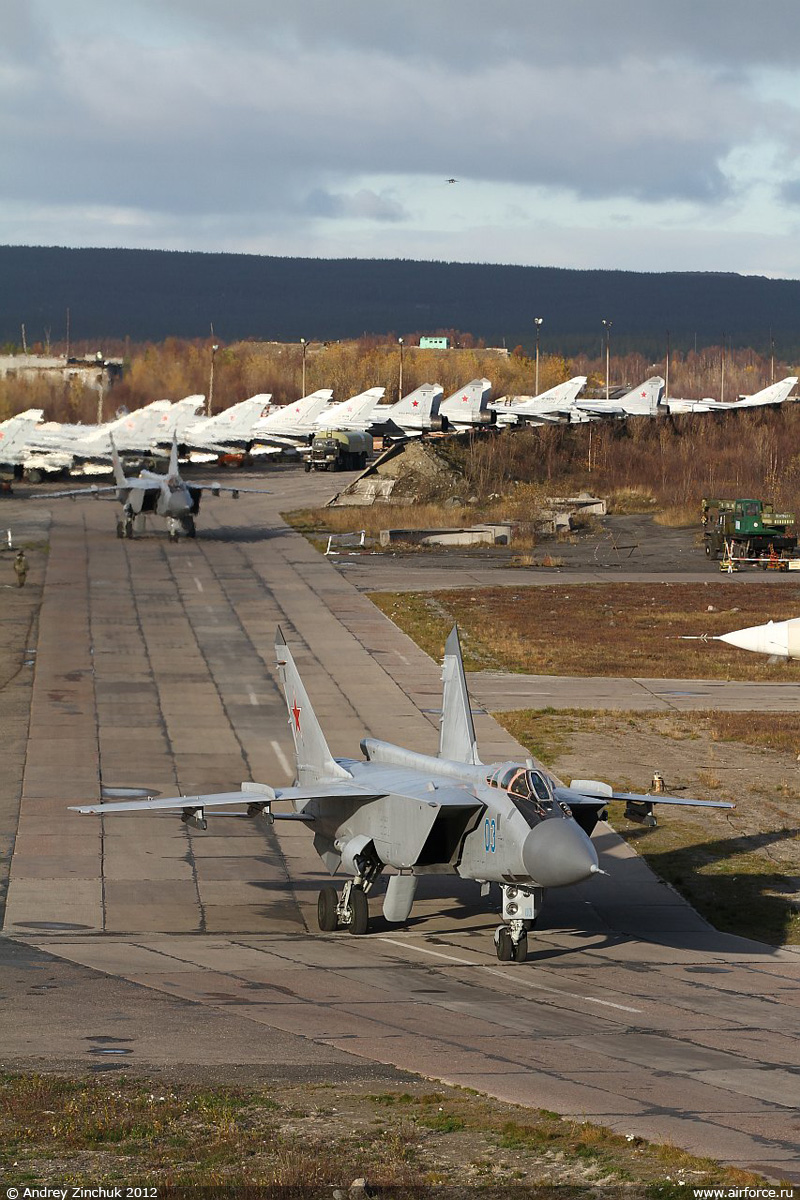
295,711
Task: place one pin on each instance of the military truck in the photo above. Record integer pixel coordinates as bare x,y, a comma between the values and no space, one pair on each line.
338,450
751,528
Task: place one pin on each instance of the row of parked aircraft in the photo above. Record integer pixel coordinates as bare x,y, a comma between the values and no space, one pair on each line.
256,426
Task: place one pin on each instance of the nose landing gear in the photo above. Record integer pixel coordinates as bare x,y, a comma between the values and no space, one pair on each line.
521,908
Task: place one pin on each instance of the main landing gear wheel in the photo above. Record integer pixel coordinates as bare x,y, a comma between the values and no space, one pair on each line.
120,529
359,912
129,527
327,905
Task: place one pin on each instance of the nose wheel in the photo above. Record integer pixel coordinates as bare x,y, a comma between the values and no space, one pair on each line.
507,949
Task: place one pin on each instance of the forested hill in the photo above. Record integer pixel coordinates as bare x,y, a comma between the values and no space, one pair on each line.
152,294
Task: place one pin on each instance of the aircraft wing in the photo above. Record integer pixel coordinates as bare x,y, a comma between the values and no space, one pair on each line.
253,794
85,491
576,795
216,488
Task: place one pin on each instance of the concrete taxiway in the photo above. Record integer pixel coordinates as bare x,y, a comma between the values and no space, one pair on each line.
141,943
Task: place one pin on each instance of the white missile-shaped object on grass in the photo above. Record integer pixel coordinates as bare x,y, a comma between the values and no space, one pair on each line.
779,639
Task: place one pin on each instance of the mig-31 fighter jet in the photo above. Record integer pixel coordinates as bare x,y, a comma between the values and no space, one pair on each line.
513,824
148,493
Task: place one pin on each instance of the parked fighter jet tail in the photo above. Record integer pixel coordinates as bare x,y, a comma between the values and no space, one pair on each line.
119,473
776,393
314,759
457,740
173,456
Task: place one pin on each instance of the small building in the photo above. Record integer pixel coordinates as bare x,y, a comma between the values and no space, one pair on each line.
434,343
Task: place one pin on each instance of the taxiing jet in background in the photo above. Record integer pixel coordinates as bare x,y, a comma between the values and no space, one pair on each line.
148,493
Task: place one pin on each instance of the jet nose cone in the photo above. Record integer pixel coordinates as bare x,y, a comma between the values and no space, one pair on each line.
557,853
762,639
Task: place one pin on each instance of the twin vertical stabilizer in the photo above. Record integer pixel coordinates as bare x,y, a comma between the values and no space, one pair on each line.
457,740
314,759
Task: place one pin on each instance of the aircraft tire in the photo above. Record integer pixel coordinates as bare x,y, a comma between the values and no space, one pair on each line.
521,949
191,531
120,529
503,944
359,912
327,903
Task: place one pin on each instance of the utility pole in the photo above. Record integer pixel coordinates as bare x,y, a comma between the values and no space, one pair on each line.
722,370
303,384
400,383
771,357
67,335
666,372
210,399
538,323
607,325
24,343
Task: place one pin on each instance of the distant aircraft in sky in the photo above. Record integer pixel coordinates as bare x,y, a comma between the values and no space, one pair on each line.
451,181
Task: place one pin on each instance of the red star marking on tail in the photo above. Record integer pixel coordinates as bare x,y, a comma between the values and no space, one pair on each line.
295,711
414,403
644,395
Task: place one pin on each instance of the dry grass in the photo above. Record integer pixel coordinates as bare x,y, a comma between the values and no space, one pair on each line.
622,630
303,1141
678,516
630,500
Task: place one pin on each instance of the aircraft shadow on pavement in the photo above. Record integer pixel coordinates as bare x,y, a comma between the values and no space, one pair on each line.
244,534
768,898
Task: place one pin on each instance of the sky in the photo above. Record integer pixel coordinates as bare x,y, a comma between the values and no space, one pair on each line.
645,135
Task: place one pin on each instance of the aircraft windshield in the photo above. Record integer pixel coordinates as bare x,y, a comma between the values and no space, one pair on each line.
524,784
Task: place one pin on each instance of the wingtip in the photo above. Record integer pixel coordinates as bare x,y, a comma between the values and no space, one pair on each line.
452,645
280,640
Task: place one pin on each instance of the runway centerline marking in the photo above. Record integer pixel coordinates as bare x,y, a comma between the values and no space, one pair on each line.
253,698
198,584
539,987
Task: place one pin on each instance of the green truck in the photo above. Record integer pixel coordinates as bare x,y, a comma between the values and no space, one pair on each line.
750,528
337,450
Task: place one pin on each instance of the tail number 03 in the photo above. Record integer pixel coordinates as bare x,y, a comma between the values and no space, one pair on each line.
490,835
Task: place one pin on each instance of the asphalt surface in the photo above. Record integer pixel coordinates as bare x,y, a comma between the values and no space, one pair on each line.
134,943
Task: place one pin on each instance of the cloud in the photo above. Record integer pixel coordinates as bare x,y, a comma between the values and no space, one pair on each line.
270,124
363,204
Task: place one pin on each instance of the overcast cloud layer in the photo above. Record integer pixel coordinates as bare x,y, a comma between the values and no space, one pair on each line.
628,133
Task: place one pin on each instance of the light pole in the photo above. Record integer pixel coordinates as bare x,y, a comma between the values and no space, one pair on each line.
722,371
771,357
538,323
304,344
400,384
607,325
666,373
210,400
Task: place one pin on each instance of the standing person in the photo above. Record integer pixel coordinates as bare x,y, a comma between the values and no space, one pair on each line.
21,568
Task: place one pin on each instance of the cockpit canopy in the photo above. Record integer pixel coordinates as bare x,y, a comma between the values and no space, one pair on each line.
523,783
